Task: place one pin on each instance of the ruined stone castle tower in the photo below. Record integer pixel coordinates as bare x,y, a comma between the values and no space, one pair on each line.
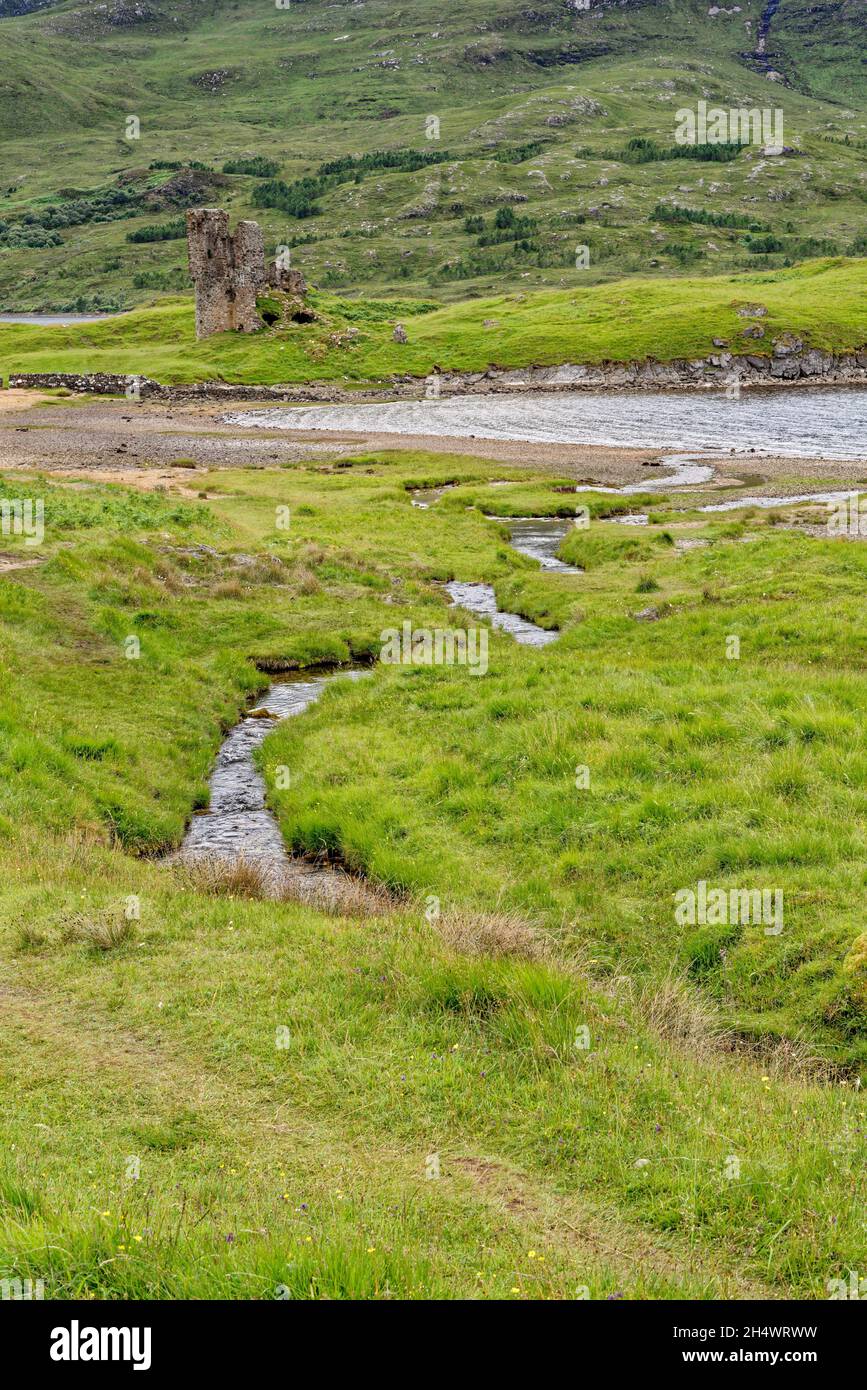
227,271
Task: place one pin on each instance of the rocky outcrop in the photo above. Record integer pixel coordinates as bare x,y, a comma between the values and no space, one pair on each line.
228,271
185,188
716,371
810,366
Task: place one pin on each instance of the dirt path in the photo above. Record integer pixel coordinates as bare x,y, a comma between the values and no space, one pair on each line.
18,400
135,1075
17,562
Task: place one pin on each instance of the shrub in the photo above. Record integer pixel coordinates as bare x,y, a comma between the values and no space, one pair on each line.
257,165
664,212
642,150
160,231
296,199
764,245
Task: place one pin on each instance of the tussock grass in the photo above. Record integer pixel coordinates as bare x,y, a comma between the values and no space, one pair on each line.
105,932
331,891
229,588
494,935
676,1011
97,932
229,878
337,894
29,936
791,1059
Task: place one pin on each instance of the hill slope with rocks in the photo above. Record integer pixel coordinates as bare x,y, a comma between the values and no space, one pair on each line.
411,151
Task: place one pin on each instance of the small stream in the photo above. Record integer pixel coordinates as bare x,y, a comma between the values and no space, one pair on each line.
540,537
481,600
238,824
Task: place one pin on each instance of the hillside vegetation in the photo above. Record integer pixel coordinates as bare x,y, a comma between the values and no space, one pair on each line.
561,116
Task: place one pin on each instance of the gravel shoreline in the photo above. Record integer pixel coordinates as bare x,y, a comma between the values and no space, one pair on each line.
116,439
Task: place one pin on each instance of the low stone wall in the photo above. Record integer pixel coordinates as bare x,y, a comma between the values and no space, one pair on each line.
94,383
312,393
143,388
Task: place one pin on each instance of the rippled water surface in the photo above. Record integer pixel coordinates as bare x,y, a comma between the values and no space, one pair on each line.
53,320
480,599
801,422
237,824
539,537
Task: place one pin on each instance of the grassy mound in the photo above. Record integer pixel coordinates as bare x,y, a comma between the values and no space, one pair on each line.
824,302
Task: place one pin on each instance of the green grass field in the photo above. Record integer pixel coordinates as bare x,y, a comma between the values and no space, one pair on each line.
509,1067
824,302
709,1142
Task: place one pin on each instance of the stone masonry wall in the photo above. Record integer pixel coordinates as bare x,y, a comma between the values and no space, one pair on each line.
228,271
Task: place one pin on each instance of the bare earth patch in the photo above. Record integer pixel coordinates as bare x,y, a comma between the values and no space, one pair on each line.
18,562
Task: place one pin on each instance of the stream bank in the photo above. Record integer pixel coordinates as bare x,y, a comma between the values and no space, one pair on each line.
238,829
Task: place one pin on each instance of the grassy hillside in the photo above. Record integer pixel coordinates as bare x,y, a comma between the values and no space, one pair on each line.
536,109
299,1171
824,302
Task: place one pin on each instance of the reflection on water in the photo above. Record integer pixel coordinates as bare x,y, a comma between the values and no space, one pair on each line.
540,538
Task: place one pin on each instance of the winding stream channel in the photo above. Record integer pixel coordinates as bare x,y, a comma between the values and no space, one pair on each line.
238,824
541,537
